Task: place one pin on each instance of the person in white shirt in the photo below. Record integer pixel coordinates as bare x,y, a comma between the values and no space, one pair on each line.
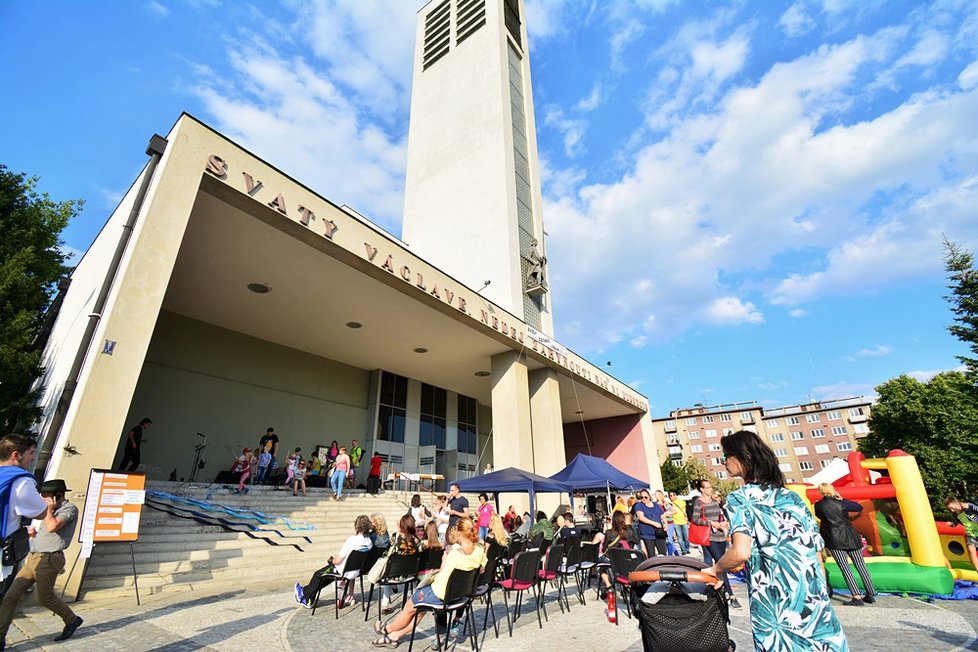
305,594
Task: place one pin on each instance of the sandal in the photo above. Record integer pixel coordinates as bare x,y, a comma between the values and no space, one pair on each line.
380,627
386,641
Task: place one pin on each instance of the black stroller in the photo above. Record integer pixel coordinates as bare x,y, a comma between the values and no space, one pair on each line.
677,607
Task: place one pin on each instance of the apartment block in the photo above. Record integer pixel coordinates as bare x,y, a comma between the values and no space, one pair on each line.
805,438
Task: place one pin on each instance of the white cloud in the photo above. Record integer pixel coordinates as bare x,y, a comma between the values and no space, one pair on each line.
544,18
925,376
621,38
731,310
295,117
796,21
874,352
797,313
843,389
158,8
592,101
763,188
572,129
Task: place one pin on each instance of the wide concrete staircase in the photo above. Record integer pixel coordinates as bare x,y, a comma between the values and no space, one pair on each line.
183,545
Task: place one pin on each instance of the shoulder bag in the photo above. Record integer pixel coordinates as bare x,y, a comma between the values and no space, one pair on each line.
699,534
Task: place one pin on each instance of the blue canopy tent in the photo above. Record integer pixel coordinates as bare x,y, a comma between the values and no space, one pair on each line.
513,480
588,473
593,473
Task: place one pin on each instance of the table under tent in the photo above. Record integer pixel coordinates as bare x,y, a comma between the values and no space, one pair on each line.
594,479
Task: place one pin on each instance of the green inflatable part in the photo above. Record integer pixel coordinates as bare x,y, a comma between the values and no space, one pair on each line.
898,577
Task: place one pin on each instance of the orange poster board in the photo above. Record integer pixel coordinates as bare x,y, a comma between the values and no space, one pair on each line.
113,506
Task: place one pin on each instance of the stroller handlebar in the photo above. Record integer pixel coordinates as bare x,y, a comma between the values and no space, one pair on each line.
649,576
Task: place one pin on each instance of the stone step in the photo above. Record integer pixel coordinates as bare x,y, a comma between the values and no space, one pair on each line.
174,553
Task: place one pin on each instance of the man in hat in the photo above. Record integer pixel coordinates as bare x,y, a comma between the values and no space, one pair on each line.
50,535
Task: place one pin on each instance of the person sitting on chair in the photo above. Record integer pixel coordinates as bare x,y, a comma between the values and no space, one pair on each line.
360,540
469,554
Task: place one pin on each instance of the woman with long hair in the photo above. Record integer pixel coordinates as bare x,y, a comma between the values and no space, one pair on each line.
774,534
431,540
405,542
378,531
843,542
497,533
616,536
468,554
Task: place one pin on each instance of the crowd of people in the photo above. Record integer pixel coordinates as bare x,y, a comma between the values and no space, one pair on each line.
340,464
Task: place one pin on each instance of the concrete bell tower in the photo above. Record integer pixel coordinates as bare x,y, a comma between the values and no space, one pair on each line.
472,202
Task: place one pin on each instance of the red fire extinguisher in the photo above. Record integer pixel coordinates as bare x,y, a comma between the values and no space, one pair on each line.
611,607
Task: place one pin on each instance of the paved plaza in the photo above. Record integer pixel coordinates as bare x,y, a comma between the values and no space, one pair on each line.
266,619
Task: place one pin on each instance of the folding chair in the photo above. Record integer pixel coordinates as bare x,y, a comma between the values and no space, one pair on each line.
551,565
623,562
401,571
458,595
352,569
523,576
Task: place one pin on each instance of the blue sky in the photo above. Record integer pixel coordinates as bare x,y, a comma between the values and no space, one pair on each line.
744,200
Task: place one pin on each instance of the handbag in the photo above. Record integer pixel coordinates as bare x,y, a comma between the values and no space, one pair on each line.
379,568
16,547
699,534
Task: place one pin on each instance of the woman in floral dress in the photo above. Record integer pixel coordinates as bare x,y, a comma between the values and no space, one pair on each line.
775,535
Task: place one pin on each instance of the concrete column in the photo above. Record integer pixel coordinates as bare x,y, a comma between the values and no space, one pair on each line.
545,417
548,432
512,443
651,454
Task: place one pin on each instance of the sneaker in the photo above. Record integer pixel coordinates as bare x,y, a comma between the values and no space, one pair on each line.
455,633
855,602
870,599
299,596
385,605
69,629
735,603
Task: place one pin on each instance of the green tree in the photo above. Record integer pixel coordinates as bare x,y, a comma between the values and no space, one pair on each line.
936,422
674,478
963,284
31,262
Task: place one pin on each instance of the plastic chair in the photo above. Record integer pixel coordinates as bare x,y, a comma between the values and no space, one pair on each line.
459,594
623,562
568,569
401,571
523,576
352,569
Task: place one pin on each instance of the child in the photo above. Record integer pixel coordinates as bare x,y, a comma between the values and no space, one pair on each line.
243,466
967,514
299,479
264,462
291,462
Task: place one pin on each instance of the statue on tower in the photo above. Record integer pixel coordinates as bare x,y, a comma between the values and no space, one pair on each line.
536,281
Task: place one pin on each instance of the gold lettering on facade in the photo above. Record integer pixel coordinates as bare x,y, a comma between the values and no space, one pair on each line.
406,273
461,305
485,317
434,291
449,295
420,282
371,251
389,264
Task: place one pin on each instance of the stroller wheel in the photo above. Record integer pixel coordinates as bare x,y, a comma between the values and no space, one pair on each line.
732,646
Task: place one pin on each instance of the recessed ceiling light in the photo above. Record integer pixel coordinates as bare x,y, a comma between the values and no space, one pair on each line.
420,349
354,324
259,288
482,374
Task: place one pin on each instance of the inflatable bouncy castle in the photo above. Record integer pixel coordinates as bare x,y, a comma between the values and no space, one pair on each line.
905,549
